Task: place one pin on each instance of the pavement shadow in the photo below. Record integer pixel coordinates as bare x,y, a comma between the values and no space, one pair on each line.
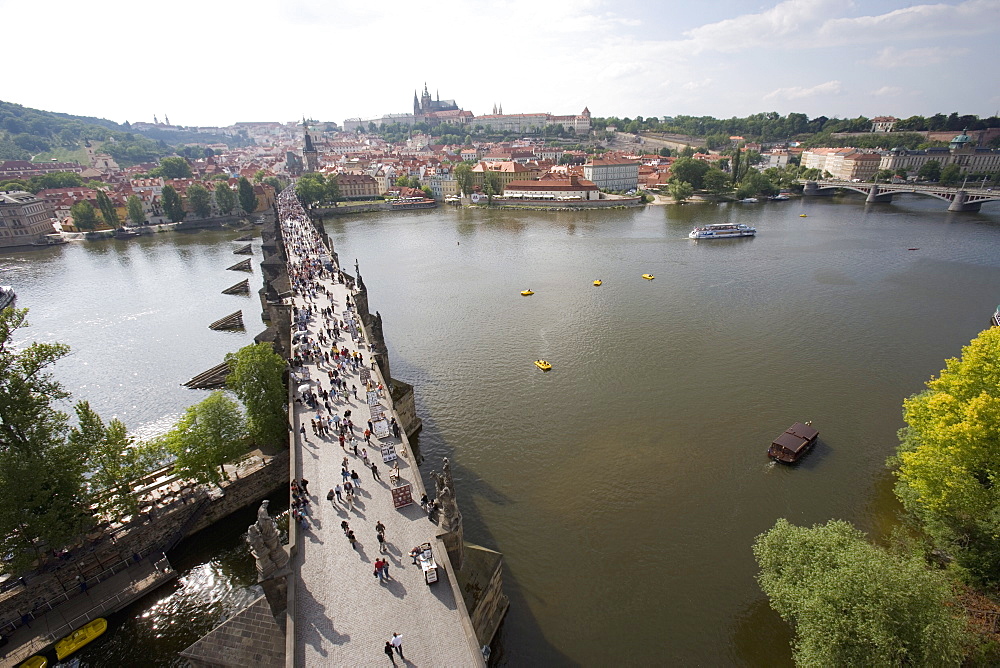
313,625
442,590
395,587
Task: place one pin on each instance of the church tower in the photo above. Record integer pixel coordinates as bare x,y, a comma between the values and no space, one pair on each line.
309,153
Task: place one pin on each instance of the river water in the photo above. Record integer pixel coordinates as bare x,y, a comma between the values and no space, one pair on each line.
624,487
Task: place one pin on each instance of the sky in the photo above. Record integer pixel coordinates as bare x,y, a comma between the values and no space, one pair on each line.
217,63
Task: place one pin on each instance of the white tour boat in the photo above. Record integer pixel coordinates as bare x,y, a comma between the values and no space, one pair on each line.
722,231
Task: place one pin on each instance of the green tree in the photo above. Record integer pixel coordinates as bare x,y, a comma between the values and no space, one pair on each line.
715,181
736,167
84,215
948,461
256,375
115,461
275,183
259,175
403,181
200,200
225,198
491,186
463,175
310,188
173,168
246,196
754,183
930,170
108,212
135,211
172,205
853,604
690,171
208,435
687,152
680,191
43,499
664,152
950,175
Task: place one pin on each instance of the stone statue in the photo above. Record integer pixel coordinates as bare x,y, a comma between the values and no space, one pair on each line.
259,550
449,509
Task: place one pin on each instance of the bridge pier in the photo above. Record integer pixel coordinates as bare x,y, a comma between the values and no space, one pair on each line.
961,203
811,189
875,196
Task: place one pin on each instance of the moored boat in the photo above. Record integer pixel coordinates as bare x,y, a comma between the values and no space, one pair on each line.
722,231
749,200
80,637
36,661
996,317
543,365
526,293
598,282
648,277
795,442
7,296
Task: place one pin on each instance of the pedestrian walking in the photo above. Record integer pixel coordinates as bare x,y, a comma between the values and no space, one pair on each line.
423,502
368,437
336,491
381,542
304,484
345,474
355,478
345,526
364,457
397,644
350,500
353,539
330,496
388,652
375,472
385,569
379,527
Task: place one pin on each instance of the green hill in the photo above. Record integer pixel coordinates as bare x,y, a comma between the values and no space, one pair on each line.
27,133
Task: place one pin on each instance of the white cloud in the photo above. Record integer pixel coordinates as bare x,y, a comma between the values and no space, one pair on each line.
695,85
887,91
800,92
891,57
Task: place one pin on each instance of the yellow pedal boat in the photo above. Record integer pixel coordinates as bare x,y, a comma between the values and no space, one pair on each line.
648,277
597,282
80,637
802,215
543,365
526,293
35,662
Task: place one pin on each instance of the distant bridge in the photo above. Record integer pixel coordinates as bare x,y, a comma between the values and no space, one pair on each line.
959,199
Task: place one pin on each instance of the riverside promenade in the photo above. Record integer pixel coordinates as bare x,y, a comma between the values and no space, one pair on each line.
340,612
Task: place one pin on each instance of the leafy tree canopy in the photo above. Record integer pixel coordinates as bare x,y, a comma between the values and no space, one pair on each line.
256,376
853,604
948,462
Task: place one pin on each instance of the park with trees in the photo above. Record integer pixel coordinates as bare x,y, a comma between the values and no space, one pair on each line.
57,479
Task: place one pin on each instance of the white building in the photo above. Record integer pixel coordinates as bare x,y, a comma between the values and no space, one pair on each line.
573,188
612,174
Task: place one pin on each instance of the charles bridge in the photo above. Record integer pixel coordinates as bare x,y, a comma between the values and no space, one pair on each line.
959,199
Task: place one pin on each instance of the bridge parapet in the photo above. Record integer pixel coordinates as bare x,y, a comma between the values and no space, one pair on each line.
958,199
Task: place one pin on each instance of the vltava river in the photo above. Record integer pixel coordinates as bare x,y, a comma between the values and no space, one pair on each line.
625,486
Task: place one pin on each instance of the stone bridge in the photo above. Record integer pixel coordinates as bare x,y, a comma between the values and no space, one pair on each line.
959,199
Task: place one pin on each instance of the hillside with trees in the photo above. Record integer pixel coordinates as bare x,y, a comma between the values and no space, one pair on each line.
26,132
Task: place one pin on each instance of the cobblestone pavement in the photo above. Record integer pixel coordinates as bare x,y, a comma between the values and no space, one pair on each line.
343,613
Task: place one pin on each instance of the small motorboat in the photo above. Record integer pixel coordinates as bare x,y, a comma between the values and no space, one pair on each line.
526,293
648,277
597,282
83,635
35,662
795,442
543,365
802,215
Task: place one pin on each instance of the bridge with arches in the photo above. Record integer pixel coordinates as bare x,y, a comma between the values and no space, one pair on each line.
959,199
